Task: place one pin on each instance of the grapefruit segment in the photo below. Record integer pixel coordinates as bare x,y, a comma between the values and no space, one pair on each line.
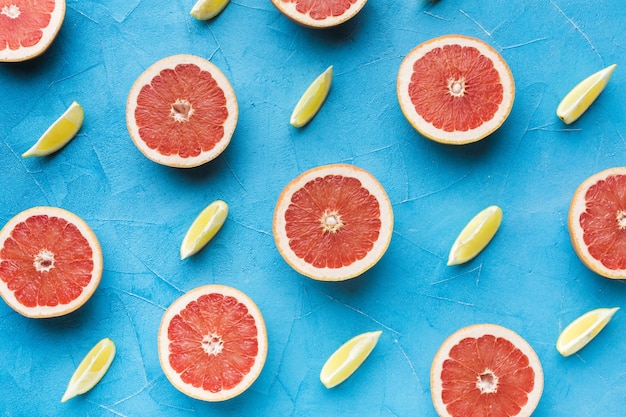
212,343
50,262
485,370
182,111
319,13
597,220
455,89
333,222
27,28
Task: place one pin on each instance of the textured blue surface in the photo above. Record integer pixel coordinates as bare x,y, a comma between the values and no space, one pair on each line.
529,278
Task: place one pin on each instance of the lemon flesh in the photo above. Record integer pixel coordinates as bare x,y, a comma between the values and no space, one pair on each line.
312,99
208,9
91,369
345,360
476,235
59,133
203,228
582,330
578,100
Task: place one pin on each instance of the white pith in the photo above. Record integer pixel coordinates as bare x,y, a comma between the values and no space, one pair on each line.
11,11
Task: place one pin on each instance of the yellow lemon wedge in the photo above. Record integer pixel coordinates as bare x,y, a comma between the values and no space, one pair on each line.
578,100
582,330
91,369
59,133
312,99
345,360
203,228
208,9
476,235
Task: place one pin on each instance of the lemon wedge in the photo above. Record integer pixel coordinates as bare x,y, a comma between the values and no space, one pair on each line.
312,99
203,228
208,9
345,360
91,369
59,133
476,235
582,330
578,100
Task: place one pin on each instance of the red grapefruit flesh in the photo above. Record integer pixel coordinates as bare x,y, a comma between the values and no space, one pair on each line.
597,223
455,89
319,13
212,343
182,111
333,222
28,27
486,370
50,262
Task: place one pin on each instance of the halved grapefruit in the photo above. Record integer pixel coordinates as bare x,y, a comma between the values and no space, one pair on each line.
597,222
455,89
50,262
212,343
486,370
333,222
182,111
319,13
27,27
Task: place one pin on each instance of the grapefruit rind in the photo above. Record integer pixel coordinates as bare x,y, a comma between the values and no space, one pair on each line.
583,330
88,234
91,369
289,9
476,331
229,125
60,133
475,236
163,343
49,34
579,206
358,267
457,137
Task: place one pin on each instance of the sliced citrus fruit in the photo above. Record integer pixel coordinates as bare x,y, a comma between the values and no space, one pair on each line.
203,228
320,13
91,369
486,370
476,235
182,111
454,89
312,99
333,222
212,343
208,9
60,133
596,222
27,28
50,262
578,100
347,359
582,330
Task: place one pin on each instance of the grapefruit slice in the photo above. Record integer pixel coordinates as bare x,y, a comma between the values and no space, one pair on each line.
333,222
597,222
319,14
27,28
182,111
455,89
50,262
212,343
486,370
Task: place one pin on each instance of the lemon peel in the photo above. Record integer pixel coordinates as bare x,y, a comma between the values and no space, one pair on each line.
204,227
583,329
312,99
476,235
578,100
208,9
91,369
60,133
347,359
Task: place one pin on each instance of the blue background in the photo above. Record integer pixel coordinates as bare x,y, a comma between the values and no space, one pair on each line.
528,279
